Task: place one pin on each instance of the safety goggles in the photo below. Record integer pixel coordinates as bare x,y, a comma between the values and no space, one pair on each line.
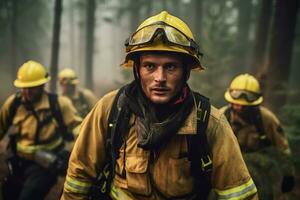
68,80
242,94
147,34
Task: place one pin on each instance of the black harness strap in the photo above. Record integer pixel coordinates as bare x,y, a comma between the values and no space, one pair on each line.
113,144
13,107
198,149
57,115
83,101
227,113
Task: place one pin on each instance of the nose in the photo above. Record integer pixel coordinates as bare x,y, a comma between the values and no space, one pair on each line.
26,93
160,74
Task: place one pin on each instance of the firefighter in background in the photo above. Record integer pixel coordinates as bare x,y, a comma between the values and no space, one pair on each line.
261,138
82,99
155,138
254,125
39,124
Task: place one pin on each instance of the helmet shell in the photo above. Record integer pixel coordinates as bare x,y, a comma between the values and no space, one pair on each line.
244,82
31,74
159,45
68,76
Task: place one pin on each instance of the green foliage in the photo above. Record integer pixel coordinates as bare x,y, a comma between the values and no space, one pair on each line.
290,115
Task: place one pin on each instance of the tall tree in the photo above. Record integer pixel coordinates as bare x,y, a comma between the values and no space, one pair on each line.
135,14
281,45
198,19
89,50
55,44
261,39
242,42
14,38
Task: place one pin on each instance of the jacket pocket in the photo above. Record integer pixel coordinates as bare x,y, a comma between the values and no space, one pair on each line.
136,174
179,179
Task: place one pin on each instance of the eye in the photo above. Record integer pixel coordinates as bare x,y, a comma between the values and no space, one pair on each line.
149,66
170,67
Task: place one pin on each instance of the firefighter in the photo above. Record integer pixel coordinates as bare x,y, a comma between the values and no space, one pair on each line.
83,99
261,138
39,123
156,138
254,125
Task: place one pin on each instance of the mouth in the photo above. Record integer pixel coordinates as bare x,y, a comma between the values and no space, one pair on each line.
160,90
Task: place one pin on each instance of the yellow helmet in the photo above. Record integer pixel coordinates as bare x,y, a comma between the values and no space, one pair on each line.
178,38
244,90
31,74
68,76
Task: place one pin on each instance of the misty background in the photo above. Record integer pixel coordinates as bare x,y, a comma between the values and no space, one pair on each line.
260,37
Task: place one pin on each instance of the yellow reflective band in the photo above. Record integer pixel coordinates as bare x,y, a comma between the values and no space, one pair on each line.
34,148
77,186
119,194
76,130
240,192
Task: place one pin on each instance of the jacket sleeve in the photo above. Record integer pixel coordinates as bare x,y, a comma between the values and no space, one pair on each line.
88,155
230,177
4,114
275,131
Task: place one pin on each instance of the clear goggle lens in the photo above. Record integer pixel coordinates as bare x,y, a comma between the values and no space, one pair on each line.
242,94
147,34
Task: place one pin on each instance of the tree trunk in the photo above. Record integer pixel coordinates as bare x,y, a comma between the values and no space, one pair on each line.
242,43
135,7
89,51
149,5
14,39
281,46
261,39
72,35
55,44
198,20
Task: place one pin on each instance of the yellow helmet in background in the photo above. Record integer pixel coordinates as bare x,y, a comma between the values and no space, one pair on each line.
31,74
178,38
68,76
244,90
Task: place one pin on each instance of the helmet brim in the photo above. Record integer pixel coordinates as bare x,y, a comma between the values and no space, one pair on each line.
21,84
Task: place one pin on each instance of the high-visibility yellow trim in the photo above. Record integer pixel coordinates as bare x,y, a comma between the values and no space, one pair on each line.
240,192
77,186
34,148
119,194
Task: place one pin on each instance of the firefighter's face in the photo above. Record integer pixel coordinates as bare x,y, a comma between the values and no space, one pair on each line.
32,94
67,89
237,108
161,75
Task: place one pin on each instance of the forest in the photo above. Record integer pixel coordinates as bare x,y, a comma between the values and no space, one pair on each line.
260,37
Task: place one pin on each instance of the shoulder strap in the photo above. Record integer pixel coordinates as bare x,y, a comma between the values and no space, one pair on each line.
227,113
258,122
82,98
198,148
56,113
13,107
113,144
